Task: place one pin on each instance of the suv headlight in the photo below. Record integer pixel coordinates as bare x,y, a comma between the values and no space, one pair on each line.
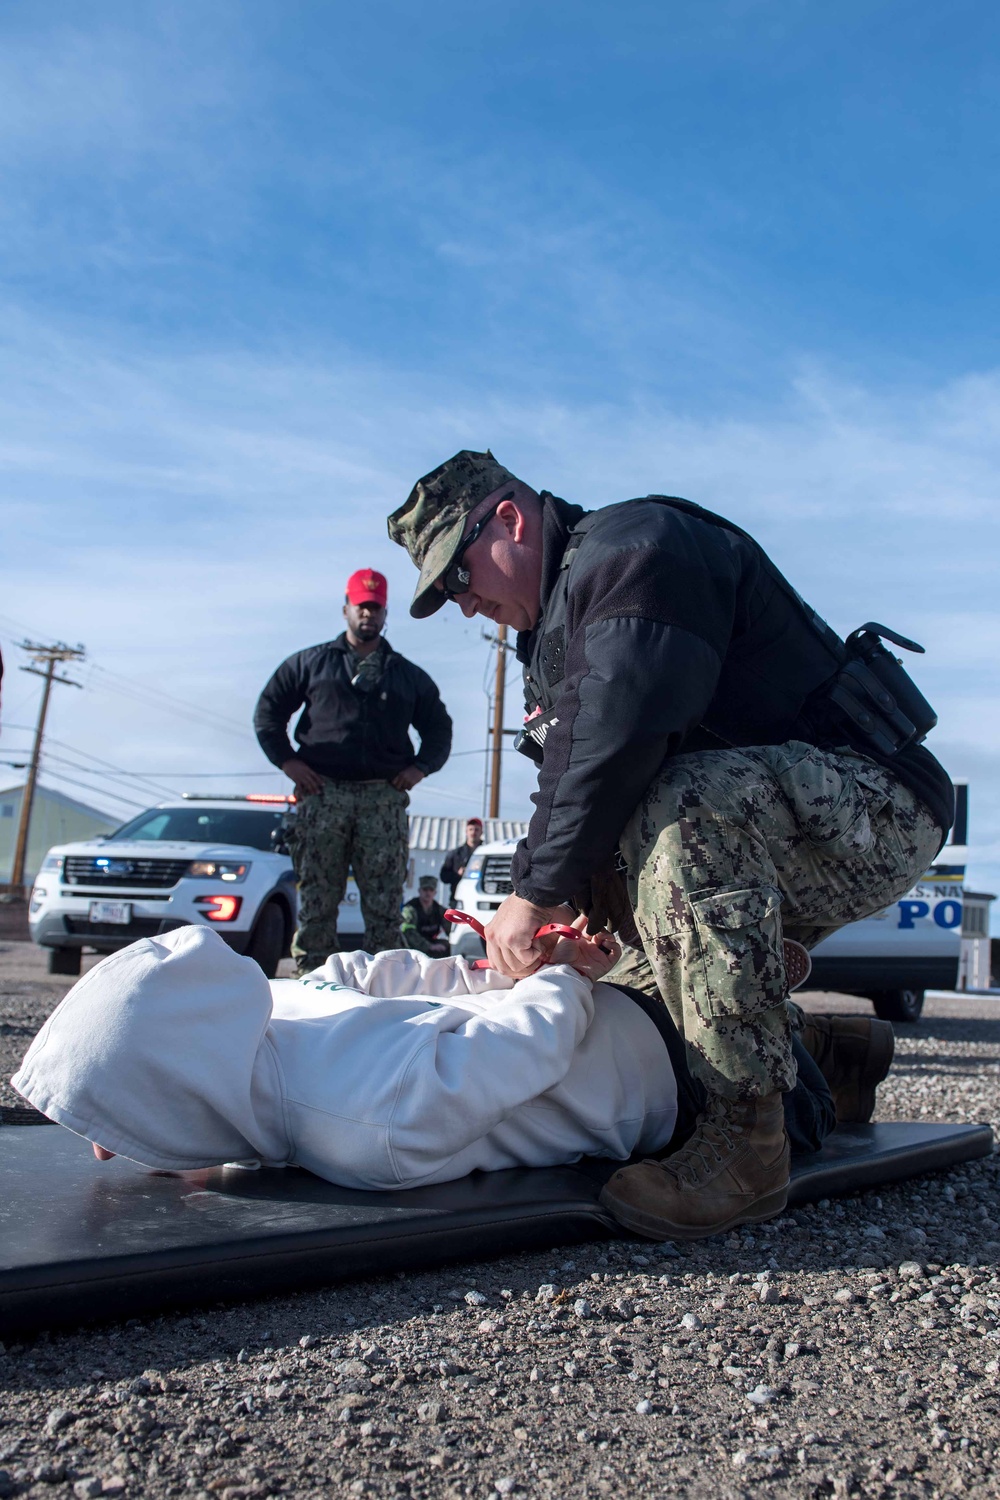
53,862
213,869
474,866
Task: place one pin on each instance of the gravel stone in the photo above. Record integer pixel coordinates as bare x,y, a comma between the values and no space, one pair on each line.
57,1419
761,1395
49,1473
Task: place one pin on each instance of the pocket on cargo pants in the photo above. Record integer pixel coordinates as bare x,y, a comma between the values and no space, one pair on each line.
735,984
738,968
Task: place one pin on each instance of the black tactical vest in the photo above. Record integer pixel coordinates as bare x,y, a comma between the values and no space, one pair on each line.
803,681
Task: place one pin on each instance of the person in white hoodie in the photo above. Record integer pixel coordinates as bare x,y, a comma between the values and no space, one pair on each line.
383,1072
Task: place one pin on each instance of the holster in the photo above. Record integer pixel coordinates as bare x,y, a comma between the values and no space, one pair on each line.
877,695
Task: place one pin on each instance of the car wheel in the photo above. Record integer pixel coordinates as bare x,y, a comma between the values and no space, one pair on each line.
899,1005
64,960
268,939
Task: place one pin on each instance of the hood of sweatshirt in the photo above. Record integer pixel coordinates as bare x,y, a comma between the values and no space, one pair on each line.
190,1015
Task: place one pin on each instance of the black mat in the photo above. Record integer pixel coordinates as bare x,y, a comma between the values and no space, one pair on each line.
83,1241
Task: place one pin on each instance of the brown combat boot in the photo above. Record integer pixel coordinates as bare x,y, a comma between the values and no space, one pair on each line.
733,1170
854,1054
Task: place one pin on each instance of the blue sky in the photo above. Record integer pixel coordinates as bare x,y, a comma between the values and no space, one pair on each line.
263,264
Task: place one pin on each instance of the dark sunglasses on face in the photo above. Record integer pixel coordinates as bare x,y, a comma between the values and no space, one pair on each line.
455,578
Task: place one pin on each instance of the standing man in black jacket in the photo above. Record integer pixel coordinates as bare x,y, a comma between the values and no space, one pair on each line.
354,768
454,866
700,729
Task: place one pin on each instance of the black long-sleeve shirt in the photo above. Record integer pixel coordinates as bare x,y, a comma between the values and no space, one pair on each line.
353,733
451,871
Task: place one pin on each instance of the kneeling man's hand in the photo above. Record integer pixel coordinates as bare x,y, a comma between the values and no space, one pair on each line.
510,938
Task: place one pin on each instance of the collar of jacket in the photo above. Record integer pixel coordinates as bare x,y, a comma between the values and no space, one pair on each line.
343,644
558,519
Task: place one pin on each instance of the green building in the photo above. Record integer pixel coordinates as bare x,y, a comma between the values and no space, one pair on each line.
55,819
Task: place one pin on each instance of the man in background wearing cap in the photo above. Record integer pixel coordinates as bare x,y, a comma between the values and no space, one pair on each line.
700,729
454,866
353,769
423,925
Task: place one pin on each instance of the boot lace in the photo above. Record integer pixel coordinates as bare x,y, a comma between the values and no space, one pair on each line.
713,1139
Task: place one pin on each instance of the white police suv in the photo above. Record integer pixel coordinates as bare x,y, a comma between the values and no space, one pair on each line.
480,891
220,861
889,958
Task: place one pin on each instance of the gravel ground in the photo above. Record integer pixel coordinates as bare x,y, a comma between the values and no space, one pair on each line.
852,1348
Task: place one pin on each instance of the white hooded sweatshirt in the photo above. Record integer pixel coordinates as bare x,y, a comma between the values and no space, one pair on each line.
374,1072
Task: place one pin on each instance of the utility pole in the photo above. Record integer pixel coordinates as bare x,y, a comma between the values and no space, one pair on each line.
46,656
498,697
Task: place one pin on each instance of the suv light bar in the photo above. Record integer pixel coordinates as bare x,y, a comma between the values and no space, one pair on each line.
281,798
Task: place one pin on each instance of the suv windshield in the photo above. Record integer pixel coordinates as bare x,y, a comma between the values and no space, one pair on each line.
204,825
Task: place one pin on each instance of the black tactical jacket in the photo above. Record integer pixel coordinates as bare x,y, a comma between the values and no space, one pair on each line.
665,632
352,733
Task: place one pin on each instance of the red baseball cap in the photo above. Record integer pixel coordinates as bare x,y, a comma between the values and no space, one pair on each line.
367,587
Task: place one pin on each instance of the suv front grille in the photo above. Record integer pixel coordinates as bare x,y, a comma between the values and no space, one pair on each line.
496,875
124,873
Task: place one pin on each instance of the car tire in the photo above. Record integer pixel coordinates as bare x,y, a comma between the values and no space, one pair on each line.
65,961
267,941
899,1005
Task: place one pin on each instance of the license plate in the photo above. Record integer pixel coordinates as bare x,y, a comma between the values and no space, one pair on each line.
119,912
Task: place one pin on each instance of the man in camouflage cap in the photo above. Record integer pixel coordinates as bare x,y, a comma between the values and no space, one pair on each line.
431,524
698,728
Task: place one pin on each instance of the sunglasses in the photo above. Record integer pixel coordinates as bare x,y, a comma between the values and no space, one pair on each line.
455,578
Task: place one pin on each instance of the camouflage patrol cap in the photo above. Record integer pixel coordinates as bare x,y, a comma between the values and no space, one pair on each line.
432,520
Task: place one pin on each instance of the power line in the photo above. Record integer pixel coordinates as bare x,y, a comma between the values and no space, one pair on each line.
148,776
53,763
109,681
105,766
21,629
111,795
151,697
108,765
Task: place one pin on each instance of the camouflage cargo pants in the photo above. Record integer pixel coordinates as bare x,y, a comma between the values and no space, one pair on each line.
732,850
359,825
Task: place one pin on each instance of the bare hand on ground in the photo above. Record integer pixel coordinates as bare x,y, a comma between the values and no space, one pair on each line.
307,781
407,778
511,946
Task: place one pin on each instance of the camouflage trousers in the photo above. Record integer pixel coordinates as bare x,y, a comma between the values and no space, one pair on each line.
729,852
357,825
